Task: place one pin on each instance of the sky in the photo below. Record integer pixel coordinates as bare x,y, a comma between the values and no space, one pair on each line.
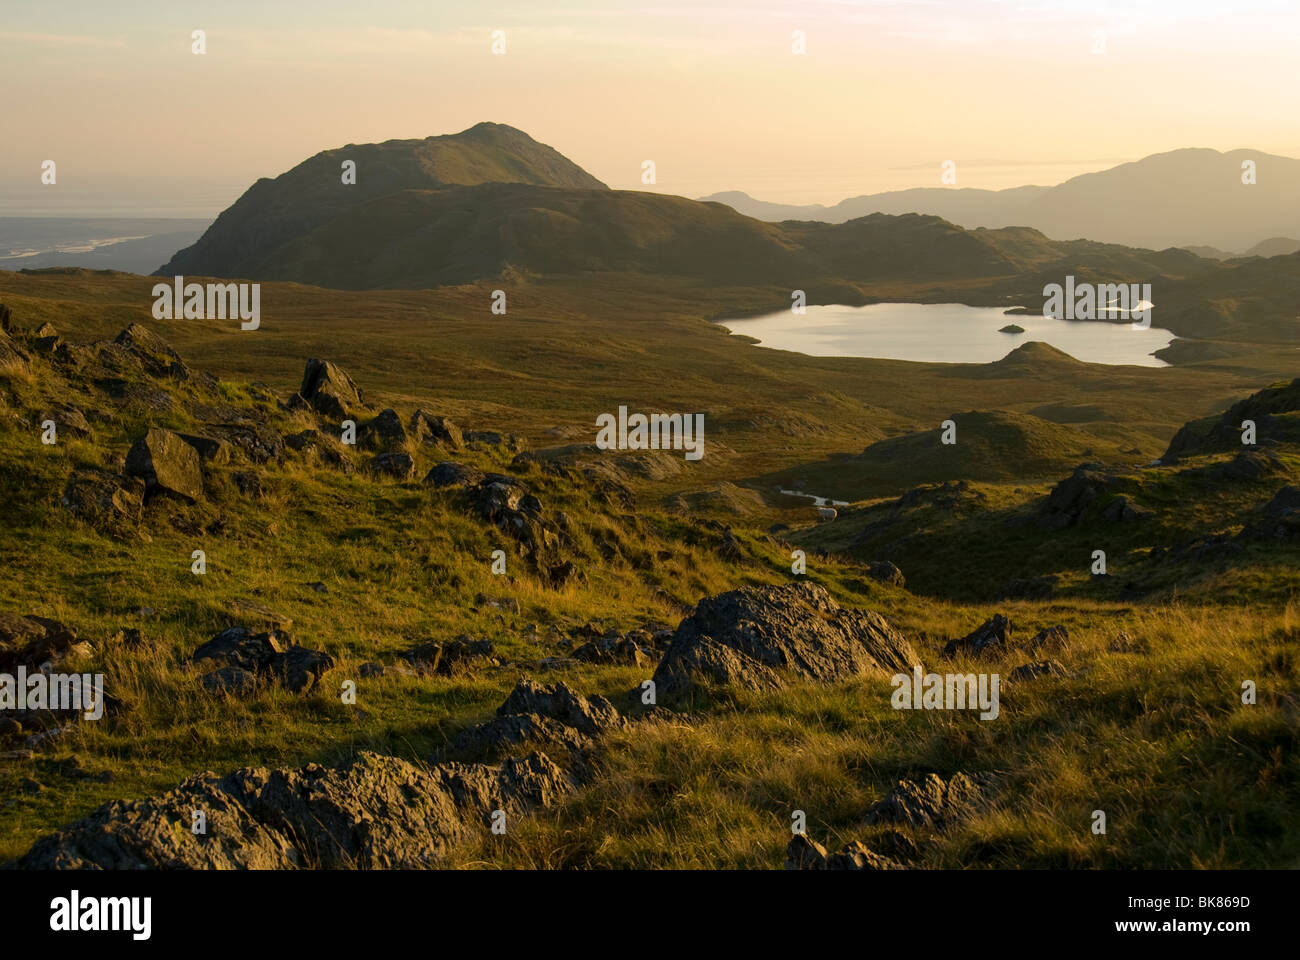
712,91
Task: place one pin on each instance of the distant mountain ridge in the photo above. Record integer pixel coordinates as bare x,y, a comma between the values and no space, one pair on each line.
1183,198
475,205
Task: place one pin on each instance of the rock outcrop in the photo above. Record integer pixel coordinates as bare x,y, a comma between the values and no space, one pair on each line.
375,812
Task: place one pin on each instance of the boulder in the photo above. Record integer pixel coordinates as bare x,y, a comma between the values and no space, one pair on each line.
882,571
991,637
1069,500
400,466
384,432
167,464
546,715
427,428
590,715
1052,638
450,474
154,355
759,637
68,421
329,390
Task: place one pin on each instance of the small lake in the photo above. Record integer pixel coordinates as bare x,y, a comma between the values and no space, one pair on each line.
946,333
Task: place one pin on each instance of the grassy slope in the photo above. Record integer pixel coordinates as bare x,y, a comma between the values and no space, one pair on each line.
1157,737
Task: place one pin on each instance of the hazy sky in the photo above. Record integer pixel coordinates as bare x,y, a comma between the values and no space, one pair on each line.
1012,92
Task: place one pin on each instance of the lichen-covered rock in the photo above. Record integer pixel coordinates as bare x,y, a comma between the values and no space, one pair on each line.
427,428
374,812
451,474
167,464
329,390
384,432
110,503
933,801
761,637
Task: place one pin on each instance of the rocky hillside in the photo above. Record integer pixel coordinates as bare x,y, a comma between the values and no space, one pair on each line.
435,647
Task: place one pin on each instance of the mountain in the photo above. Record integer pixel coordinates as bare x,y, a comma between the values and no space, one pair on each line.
274,212
492,202
967,206
1179,198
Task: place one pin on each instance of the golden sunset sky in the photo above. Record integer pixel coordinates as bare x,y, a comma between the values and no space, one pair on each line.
1012,92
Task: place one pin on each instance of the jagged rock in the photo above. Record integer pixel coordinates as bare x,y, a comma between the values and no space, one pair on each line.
883,571
1052,638
238,646
108,502
1285,503
384,432
499,497
373,812
329,390
804,854
1039,668
400,466
745,637
67,421
1031,588
933,801
167,464
13,358
450,474
152,352
427,428
209,449
551,716
990,638
1250,465
593,716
